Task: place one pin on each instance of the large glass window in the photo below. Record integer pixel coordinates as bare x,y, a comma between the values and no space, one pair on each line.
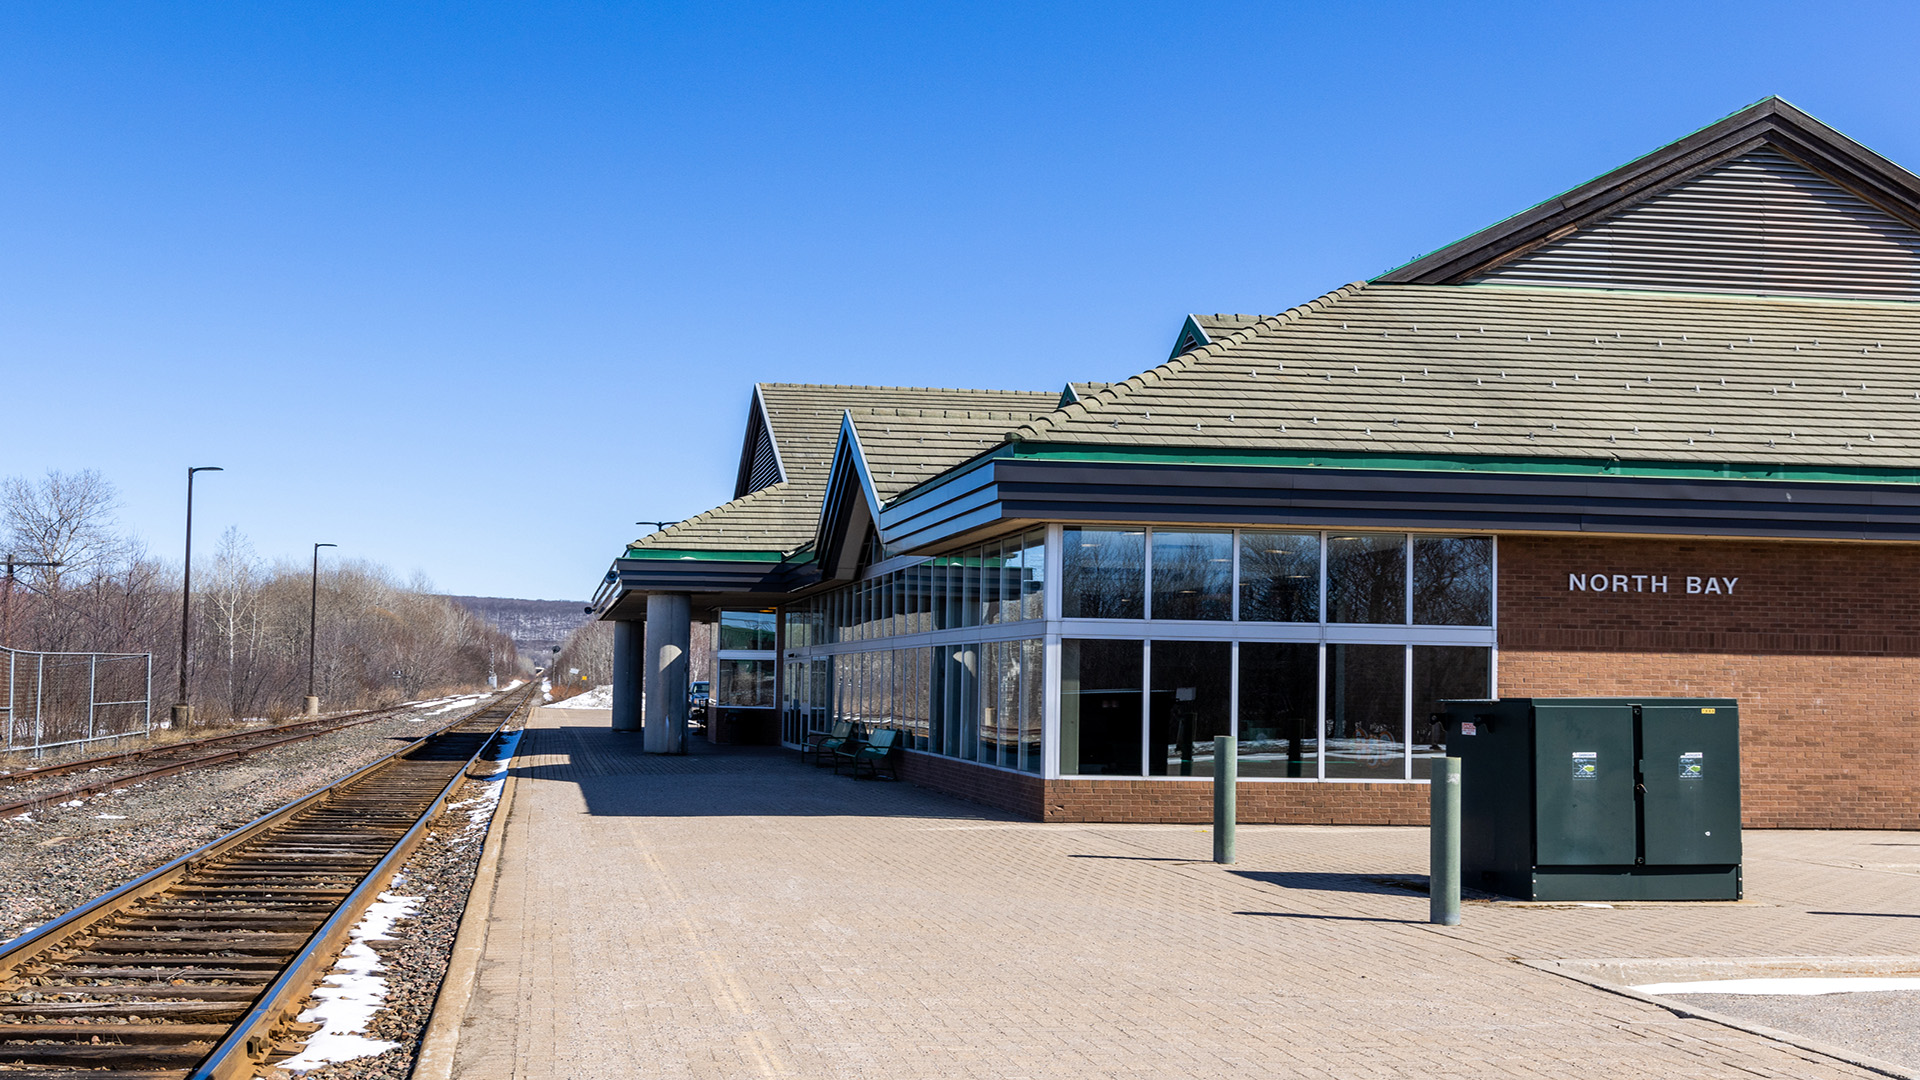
1190,704
1100,684
743,683
1192,575
1366,712
1367,578
1279,577
1033,576
1453,580
1033,697
1103,574
1444,673
1279,709
747,630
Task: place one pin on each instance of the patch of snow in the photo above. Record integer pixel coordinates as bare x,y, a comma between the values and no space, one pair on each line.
1795,987
76,802
352,992
600,697
480,808
112,817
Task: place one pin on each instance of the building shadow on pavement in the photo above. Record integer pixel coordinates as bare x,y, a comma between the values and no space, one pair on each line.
616,777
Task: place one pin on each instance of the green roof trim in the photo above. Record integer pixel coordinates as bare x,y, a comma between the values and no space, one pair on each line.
671,554
1462,463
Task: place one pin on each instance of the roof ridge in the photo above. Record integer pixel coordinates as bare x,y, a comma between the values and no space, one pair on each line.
1113,392
973,391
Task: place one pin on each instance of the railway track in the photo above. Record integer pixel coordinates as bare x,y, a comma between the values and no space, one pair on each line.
22,790
199,968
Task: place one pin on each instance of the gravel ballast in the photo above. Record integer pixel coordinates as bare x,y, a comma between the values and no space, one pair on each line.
60,856
415,953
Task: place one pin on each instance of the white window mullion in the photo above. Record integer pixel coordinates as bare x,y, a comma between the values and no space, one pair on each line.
1233,695
1406,710
1320,719
1146,702
1146,573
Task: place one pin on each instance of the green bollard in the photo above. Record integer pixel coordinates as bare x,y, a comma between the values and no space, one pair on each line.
1226,776
1443,866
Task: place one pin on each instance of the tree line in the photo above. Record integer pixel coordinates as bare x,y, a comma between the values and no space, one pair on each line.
379,639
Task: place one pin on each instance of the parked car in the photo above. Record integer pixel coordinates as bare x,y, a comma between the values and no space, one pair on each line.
698,697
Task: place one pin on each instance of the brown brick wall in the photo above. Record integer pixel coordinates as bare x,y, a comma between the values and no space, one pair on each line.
1191,802
1018,793
1818,643
1184,802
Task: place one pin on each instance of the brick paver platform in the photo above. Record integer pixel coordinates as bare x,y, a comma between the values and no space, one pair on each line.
732,914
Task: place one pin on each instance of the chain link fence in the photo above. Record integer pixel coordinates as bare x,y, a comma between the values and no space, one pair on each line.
50,699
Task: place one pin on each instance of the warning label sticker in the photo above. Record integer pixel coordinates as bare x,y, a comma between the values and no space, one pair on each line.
1586,764
1691,764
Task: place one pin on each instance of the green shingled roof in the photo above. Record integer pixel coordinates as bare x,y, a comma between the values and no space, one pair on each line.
1538,373
908,433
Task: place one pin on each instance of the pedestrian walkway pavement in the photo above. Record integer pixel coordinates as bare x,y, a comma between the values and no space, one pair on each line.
732,913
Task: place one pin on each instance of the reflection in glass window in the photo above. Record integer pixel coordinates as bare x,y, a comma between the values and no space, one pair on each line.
991,573
1033,687
1100,707
746,630
1366,712
1443,673
1104,574
1279,704
1033,575
1190,704
1367,578
1453,580
1279,577
743,683
1192,575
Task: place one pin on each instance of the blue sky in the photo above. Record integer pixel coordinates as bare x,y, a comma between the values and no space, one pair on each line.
469,289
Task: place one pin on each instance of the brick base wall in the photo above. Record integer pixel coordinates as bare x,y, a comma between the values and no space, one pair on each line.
1172,802
1017,793
1826,742
1191,802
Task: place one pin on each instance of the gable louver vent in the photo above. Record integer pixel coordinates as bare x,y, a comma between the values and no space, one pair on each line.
766,466
1761,223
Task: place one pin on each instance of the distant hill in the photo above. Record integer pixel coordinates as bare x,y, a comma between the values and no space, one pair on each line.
535,626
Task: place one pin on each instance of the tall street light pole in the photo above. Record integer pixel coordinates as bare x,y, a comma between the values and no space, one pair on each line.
182,709
313,625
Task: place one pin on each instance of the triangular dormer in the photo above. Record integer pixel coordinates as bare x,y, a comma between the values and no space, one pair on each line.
760,464
1768,201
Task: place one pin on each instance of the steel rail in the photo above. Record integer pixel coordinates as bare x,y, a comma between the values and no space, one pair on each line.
37,771
266,1009
47,798
252,1037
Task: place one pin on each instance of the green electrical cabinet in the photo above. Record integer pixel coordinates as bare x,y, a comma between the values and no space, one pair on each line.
1598,799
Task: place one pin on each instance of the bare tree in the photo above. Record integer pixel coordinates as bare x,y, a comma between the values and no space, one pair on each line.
62,518
250,629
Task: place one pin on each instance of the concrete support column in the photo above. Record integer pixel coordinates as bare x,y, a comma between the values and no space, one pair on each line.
669,639
626,675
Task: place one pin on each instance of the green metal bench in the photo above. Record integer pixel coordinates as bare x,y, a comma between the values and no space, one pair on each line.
823,745
876,753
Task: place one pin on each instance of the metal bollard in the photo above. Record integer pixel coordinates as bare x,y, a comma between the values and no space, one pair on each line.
1226,776
1443,859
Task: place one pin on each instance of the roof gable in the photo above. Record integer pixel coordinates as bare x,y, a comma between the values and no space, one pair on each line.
760,464
1766,201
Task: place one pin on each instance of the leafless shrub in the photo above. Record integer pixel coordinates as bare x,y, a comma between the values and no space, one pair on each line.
377,639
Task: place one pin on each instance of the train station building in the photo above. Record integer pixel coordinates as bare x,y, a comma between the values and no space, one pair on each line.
1659,435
